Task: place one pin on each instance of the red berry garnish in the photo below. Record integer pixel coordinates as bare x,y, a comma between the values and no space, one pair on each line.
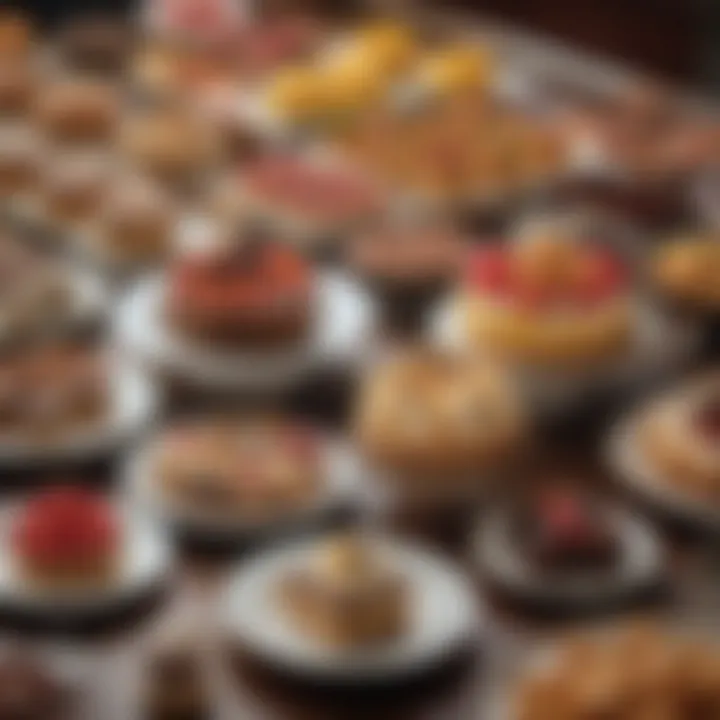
489,270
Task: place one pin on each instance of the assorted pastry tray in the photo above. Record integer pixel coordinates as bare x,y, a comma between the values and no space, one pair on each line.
276,215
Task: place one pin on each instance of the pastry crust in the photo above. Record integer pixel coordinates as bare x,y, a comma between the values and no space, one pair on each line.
424,416
634,672
688,271
346,596
672,437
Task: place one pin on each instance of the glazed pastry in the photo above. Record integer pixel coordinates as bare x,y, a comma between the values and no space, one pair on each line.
137,222
549,299
456,69
48,393
17,89
96,44
635,672
679,435
462,151
298,94
78,111
19,162
436,422
72,188
253,295
251,469
29,692
389,46
16,36
67,539
564,530
306,201
347,595
174,682
171,145
687,271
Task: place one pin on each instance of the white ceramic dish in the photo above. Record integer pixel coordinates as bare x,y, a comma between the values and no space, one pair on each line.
640,565
445,618
342,330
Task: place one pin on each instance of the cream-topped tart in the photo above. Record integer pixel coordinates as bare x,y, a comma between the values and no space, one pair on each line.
548,298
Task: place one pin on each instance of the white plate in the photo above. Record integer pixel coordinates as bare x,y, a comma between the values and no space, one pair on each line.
445,617
640,564
661,345
145,561
631,466
342,330
133,405
342,486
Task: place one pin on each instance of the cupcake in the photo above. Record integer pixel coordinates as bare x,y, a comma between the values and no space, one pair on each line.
16,36
250,470
174,686
347,595
96,44
686,271
78,111
30,691
17,89
435,423
136,223
257,294
548,299
408,266
19,162
172,145
66,539
72,187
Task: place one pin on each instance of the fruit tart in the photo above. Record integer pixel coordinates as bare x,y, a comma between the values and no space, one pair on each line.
347,595
239,469
253,294
67,539
686,271
624,673
679,436
434,421
549,298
